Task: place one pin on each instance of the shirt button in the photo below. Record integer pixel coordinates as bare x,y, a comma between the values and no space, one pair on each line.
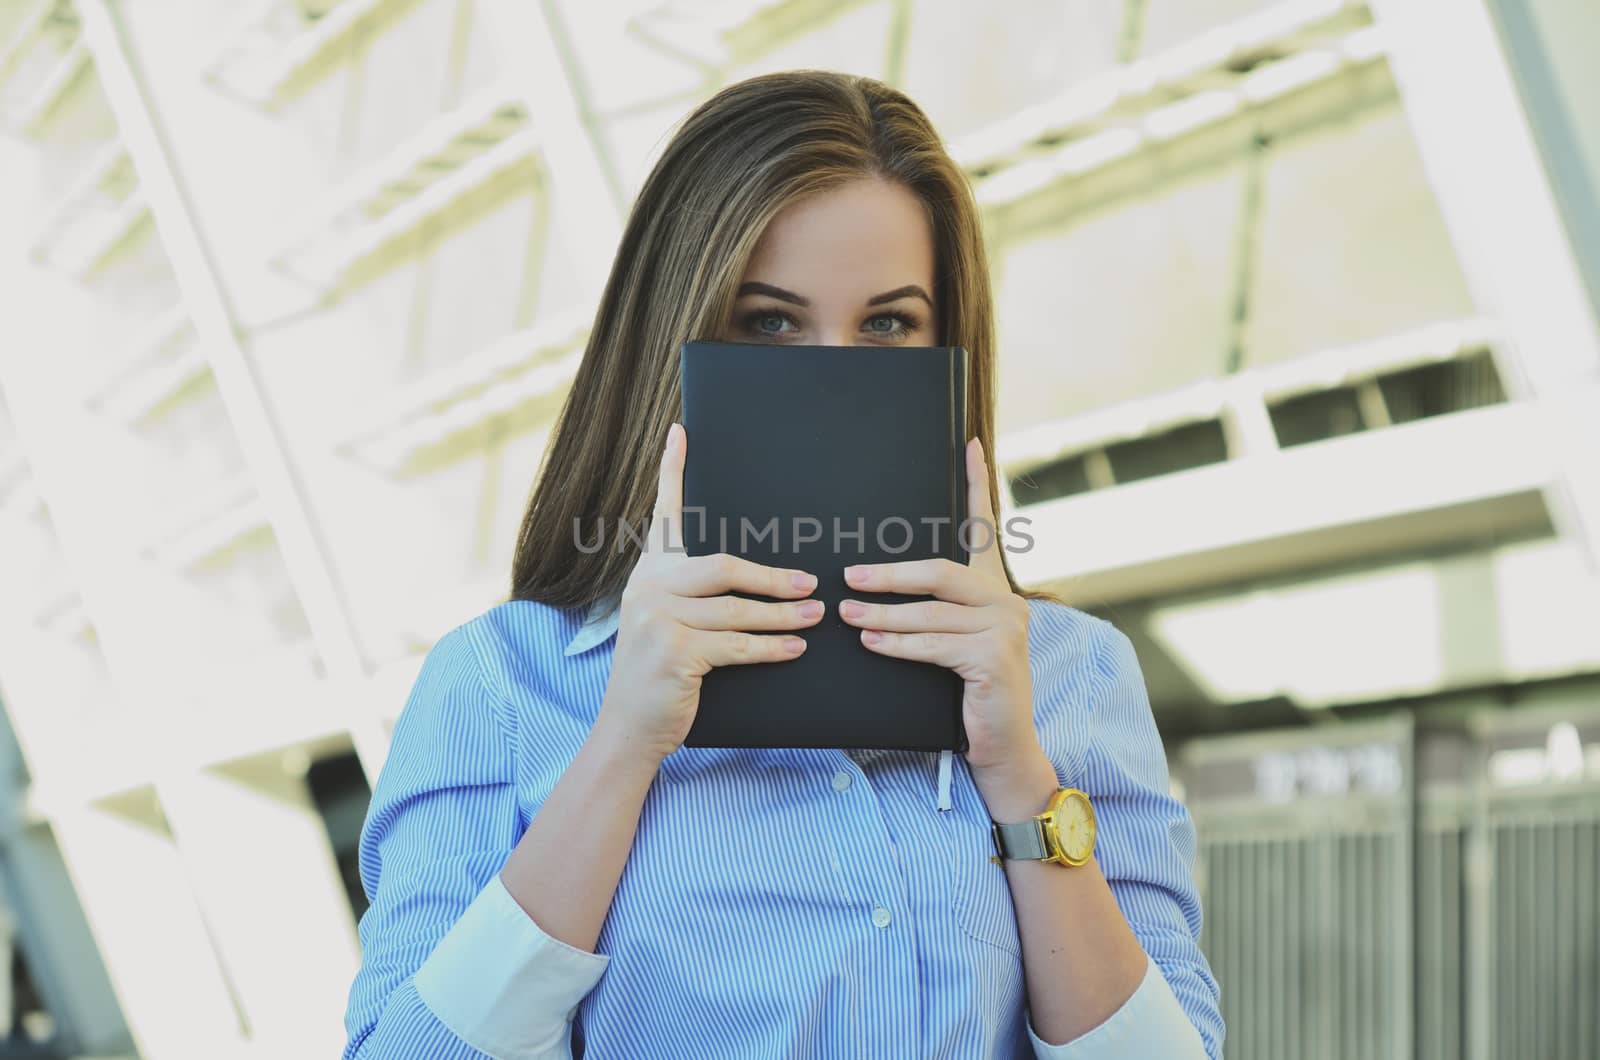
880,917
841,780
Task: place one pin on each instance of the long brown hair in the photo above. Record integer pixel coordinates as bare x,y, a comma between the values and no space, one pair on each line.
742,156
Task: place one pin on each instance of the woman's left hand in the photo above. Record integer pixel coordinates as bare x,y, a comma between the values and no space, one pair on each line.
976,626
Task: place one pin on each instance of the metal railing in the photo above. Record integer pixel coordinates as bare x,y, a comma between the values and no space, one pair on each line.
1377,890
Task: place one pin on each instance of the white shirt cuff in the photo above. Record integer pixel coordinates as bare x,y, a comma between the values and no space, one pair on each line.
1150,1023
503,985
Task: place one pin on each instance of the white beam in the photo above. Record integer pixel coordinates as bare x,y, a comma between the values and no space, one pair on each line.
1404,486
155,942
208,305
1495,196
535,53
292,972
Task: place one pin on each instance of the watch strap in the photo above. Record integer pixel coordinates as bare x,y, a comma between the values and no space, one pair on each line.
1021,840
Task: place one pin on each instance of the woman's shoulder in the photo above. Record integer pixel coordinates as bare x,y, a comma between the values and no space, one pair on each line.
515,638
1060,634
1072,648
1090,699
493,689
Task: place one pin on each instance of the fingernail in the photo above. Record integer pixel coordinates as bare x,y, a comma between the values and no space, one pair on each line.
870,636
851,609
858,573
802,580
794,644
811,609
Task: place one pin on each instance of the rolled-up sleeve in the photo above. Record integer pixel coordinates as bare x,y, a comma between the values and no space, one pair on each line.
451,967
1149,1023
1097,728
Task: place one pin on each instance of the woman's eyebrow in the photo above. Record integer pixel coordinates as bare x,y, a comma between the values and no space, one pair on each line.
909,290
757,287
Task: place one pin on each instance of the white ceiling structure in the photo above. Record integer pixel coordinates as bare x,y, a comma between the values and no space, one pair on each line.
1299,370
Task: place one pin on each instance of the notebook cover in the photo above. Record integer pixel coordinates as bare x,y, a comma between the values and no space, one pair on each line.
857,438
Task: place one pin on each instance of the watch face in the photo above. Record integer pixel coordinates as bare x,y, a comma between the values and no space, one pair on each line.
1075,828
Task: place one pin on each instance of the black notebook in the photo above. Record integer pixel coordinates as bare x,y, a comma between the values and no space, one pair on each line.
816,458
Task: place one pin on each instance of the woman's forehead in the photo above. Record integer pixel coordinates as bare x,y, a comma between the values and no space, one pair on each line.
854,241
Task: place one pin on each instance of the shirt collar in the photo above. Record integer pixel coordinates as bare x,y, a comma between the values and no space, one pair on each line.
599,623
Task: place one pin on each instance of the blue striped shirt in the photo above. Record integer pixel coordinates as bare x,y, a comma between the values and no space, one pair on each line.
776,902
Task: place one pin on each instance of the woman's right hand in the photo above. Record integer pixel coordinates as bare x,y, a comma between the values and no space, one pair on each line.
677,623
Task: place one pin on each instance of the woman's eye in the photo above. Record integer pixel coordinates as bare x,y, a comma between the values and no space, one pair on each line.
890,325
766,323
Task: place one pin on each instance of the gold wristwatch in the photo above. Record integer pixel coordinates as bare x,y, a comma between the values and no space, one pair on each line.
1063,833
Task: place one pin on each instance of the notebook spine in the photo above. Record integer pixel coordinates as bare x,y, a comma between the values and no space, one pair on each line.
958,450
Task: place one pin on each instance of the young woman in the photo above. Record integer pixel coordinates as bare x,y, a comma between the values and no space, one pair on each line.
549,870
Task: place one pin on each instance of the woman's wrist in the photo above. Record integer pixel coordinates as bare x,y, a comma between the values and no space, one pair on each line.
1017,790
621,751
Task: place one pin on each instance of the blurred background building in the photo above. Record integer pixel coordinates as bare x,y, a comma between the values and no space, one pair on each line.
1299,369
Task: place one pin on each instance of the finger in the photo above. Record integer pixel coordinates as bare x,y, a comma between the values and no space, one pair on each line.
737,613
950,650
668,513
983,532
736,649
923,616
722,572
943,578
